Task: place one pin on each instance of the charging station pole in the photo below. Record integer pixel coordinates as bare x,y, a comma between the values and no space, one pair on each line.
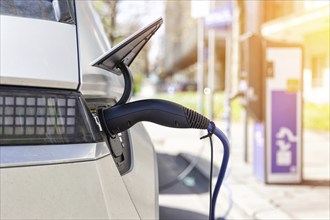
199,9
200,64
219,20
211,71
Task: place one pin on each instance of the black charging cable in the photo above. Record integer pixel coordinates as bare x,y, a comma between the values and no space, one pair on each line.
128,82
121,117
209,135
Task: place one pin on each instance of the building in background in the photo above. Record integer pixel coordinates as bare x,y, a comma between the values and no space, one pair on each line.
304,22
181,44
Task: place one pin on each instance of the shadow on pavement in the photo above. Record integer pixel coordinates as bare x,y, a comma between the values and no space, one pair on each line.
170,167
195,182
305,182
171,213
311,182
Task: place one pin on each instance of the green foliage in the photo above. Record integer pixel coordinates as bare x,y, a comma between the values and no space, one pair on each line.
316,116
137,78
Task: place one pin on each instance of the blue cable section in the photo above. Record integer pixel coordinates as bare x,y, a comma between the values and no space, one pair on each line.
223,168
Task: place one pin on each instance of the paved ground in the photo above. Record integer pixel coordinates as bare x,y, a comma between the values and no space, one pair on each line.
186,196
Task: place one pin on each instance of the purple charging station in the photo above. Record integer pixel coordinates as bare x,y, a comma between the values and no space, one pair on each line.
278,138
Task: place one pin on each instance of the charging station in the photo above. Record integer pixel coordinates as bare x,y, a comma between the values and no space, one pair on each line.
273,75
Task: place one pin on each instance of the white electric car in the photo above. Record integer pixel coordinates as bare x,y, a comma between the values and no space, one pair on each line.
55,160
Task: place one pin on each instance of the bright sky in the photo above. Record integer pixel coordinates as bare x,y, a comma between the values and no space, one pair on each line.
145,11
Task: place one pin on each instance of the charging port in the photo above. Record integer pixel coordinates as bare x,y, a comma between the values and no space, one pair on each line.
122,151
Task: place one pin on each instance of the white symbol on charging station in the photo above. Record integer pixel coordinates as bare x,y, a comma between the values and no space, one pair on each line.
284,155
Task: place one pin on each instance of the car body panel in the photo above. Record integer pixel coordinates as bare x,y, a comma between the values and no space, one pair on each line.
57,55
85,190
30,57
142,181
32,155
96,83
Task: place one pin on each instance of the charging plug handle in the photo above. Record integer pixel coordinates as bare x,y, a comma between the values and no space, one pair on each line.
120,118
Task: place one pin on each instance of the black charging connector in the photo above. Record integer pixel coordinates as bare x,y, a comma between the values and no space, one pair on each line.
121,117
